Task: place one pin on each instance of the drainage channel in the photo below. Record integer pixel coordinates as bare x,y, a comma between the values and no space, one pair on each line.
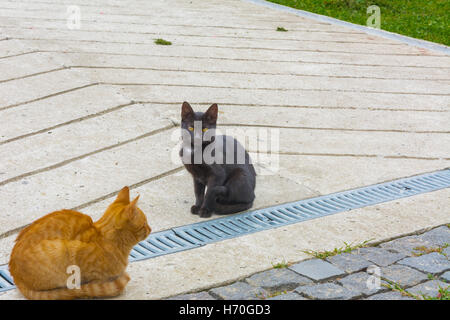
202,233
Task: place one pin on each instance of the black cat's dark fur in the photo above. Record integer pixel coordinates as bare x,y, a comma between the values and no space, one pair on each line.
229,186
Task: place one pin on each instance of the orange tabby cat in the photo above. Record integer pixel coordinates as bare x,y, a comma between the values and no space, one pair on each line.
47,248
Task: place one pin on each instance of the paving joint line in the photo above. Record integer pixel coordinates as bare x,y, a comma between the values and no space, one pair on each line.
289,153
90,116
245,73
267,89
295,106
227,47
178,25
67,161
35,74
48,96
20,54
104,197
239,59
328,129
198,35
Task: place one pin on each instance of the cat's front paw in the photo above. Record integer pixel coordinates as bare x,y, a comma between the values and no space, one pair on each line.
204,213
195,209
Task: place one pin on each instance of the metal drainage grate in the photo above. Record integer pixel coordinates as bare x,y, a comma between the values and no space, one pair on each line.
6,282
199,234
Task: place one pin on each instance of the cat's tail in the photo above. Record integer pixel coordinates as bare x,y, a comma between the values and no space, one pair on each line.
94,289
220,208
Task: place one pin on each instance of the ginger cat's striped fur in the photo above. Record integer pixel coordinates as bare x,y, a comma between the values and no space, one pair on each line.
44,250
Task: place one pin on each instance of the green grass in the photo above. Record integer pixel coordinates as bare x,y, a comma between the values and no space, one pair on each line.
422,19
345,249
281,29
443,293
281,265
163,42
425,250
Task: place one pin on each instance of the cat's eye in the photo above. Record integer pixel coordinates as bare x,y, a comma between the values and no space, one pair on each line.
191,129
205,129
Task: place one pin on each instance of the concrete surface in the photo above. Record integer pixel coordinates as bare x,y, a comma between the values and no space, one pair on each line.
85,112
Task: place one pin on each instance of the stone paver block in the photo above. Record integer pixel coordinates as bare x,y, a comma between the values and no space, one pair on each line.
429,288
238,291
317,269
431,263
446,276
349,262
380,256
278,280
392,295
324,291
402,275
438,236
361,282
288,296
193,296
406,245
446,251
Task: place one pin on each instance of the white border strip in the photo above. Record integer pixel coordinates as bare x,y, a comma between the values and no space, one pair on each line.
377,32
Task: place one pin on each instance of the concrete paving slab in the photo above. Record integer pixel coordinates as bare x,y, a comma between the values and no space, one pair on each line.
302,31
254,97
6,246
60,110
316,118
41,86
206,64
318,172
213,42
26,65
268,82
10,48
78,139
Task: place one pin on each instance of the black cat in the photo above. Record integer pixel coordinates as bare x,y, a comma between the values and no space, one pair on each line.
219,164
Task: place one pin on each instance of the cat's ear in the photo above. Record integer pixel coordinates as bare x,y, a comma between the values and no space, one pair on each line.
186,111
131,208
210,115
135,201
124,195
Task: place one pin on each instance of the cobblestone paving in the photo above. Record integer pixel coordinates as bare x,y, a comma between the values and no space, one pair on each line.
365,273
